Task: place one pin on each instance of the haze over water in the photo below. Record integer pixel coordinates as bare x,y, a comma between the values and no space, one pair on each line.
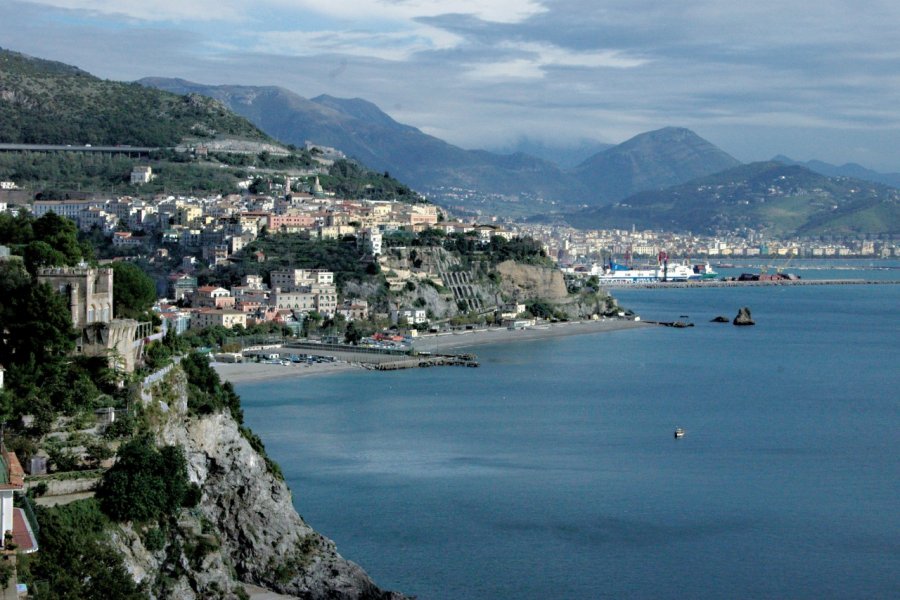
552,471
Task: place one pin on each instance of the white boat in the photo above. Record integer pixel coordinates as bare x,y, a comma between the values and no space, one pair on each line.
679,432
615,274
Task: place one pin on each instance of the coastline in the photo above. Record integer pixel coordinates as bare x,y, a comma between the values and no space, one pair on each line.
254,372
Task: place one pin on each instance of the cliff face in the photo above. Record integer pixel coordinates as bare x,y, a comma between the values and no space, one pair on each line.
530,282
245,528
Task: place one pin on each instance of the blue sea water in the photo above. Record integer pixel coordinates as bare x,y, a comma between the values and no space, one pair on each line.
552,471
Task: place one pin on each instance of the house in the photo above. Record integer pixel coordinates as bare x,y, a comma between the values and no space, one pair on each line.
411,316
210,317
12,519
210,296
141,174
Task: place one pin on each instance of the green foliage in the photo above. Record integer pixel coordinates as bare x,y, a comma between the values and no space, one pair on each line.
75,562
206,392
135,291
146,483
48,241
35,319
154,539
296,251
349,179
57,104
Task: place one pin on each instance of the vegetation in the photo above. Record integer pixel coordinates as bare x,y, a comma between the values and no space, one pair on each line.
770,197
146,483
135,291
297,251
75,561
53,103
206,392
349,179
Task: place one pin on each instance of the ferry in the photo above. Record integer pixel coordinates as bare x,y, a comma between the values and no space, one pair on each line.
616,274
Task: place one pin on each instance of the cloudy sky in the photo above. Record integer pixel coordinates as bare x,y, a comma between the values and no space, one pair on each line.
806,78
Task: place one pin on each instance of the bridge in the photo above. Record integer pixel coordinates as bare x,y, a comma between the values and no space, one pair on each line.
87,148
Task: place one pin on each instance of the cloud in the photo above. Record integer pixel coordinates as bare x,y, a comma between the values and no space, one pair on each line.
158,10
478,73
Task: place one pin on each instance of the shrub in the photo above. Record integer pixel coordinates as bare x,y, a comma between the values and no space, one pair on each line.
145,483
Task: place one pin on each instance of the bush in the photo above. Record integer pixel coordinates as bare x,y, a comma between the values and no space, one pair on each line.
145,483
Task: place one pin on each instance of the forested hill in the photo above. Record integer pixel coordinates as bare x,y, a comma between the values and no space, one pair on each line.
770,197
46,102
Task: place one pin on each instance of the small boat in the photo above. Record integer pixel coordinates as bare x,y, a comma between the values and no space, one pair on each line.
679,432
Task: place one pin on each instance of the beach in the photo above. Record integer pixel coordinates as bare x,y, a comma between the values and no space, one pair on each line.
434,343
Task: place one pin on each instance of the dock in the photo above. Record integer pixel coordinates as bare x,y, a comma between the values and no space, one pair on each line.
736,284
448,360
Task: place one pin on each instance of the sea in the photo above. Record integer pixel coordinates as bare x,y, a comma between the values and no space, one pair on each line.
552,470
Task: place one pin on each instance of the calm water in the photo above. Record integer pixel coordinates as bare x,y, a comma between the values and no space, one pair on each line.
551,472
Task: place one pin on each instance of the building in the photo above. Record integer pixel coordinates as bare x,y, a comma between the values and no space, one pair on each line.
71,209
141,175
89,292
297,278
181,285
12,519
211,317
411,316
369,239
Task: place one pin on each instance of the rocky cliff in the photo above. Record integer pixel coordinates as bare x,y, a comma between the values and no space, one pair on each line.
245,528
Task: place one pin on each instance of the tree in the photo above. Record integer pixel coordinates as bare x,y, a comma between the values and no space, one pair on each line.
134,291
145,483
39,254
353,334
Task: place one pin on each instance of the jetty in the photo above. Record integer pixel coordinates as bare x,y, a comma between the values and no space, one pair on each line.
720,283
446,360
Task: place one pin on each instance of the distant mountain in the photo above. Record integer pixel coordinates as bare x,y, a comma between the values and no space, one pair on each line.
517,182
652,160
770,197
46,102
846,170
361,130
563,155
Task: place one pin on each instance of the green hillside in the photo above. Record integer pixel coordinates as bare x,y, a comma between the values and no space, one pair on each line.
769,197
45,102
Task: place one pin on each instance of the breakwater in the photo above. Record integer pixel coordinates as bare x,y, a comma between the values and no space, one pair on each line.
447,360
738,284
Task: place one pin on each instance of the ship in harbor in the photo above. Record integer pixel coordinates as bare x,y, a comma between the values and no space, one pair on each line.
613,273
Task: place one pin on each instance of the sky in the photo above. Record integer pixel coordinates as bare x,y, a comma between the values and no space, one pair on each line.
811,79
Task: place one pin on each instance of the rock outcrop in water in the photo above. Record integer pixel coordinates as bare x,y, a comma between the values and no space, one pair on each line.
719,319
743,317
245,528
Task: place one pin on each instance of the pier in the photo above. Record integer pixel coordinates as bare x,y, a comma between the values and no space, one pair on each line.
765,283
448,360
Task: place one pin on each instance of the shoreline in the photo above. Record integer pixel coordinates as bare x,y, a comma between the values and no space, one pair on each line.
251,372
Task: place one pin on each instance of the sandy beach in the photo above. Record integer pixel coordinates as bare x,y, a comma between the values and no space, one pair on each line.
435,343
479,337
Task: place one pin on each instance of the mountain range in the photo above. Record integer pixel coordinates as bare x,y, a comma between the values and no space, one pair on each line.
846,170
361,130
670,178
769,197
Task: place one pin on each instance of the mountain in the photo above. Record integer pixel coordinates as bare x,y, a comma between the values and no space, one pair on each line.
361,130
846,170
564,155
652,160
46,102
515,184
769,197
